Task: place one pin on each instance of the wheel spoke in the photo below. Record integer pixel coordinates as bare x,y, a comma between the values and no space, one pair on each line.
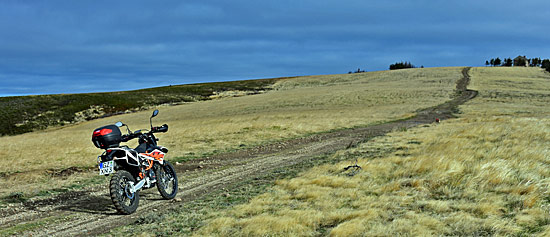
168,183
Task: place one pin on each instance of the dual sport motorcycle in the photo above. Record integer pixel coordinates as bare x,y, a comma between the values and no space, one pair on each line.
134,169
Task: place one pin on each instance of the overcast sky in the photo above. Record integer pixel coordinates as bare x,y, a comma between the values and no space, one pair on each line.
89,46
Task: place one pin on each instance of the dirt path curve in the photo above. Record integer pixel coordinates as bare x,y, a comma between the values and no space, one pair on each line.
91,211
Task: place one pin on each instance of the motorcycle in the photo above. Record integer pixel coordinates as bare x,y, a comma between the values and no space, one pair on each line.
134,169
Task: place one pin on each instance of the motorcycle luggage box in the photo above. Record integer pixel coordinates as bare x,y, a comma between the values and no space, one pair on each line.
107,137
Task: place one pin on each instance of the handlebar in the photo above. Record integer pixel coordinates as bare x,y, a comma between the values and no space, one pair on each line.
130,136
163,128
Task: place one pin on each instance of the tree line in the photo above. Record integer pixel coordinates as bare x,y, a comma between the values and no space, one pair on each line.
401,65
519,61
398,65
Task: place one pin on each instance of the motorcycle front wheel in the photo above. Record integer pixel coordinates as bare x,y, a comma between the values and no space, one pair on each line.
121,185
167,180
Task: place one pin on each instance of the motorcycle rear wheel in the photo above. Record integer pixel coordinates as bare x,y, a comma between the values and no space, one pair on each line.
124,200
167,180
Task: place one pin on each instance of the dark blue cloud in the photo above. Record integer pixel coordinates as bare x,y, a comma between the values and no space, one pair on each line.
82,46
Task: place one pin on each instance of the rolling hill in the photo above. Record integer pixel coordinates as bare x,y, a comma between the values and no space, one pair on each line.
466,176
22,114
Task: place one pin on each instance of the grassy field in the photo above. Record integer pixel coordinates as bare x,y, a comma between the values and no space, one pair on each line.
485,173
294,107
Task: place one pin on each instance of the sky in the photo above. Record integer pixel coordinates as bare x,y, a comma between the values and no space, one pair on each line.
54,46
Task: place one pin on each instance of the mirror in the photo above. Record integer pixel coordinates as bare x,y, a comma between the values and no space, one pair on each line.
119,124
155,113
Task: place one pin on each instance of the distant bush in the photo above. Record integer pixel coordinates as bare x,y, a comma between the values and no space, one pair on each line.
535,62
401,65
546,64
358,71
495,61
507,62
521,61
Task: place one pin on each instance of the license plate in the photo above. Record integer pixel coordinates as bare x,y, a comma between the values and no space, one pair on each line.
107,167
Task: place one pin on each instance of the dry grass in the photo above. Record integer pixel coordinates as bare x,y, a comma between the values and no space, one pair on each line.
517,92
296,107
487,173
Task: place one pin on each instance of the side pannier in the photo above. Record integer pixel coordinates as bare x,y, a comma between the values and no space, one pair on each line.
107,137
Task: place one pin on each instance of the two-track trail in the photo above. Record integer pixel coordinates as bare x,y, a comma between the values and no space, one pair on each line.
91,211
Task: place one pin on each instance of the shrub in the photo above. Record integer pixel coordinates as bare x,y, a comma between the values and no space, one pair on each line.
401,65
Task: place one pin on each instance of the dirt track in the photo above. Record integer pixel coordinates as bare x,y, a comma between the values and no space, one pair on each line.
91,211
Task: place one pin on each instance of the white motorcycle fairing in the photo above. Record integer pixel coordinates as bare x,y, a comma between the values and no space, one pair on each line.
132,157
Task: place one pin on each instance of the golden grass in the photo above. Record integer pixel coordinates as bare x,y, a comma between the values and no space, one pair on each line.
486,173
295,107
517,92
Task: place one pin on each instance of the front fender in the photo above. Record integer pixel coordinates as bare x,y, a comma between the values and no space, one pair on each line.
163,149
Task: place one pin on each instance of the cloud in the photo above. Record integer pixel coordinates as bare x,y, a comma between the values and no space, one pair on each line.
80,46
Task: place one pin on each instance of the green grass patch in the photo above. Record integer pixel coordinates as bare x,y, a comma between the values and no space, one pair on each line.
22,114
15,197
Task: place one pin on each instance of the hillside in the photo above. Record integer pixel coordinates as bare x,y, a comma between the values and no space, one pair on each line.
295,107
485,173
233,149
22,114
